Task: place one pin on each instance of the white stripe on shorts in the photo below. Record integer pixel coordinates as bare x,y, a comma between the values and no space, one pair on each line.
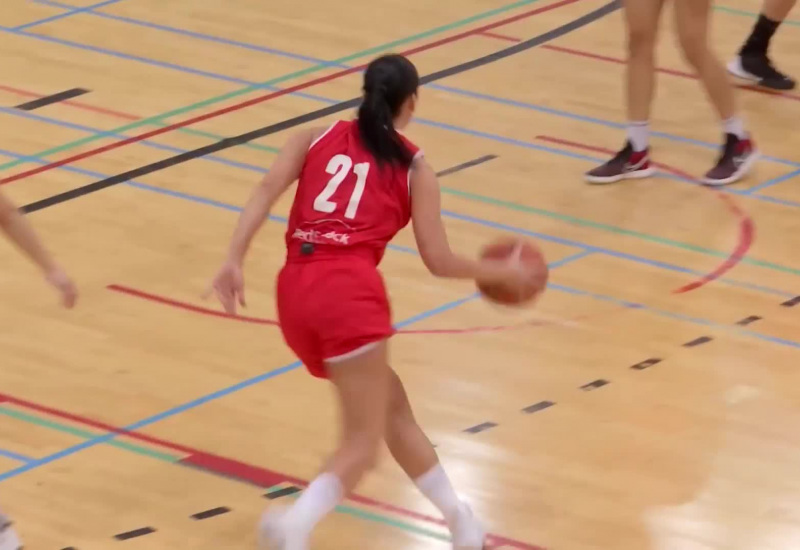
355,353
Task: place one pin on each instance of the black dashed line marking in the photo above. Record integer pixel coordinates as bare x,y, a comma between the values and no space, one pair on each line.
536,407
748,320
135,533
480,428
211,513
647,363
285,492
791,303
698,342
594,385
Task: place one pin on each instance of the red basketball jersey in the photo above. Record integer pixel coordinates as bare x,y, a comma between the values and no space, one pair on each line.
345,201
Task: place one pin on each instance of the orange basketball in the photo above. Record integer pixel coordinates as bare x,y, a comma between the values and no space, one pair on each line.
528,253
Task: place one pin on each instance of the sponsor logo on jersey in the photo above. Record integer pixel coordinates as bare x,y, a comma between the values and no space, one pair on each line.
313,236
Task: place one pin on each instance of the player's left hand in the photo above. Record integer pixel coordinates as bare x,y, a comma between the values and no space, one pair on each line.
228,286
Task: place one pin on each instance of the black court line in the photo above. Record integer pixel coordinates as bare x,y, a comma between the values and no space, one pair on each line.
646,364
135,533
465,165
540,406
748,320
481,428
791,303
214,512
247,137
49,100
282,493
698,342
594,385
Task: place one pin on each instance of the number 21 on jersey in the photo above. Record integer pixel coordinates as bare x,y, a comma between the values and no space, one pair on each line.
340,167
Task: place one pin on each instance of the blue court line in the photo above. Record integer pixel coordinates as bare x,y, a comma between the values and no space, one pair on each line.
425,122
15,456
608,252
774,181
589,119
475,95
449,214
197,35
36,463
147,143
676,316
153,62
73,11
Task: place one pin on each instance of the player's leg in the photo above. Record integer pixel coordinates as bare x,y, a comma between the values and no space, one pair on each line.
753,62
8,537
641,19
414,452
693,21
362,387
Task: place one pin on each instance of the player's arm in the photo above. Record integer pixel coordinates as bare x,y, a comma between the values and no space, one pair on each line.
431,236
284,171
20,232
228,284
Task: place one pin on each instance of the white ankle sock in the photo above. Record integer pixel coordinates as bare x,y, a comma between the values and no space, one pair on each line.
735,126
435,485
639,134
317,501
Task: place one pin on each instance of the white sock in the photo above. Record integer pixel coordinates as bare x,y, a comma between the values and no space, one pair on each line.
435,485
735,126
639,135
317,501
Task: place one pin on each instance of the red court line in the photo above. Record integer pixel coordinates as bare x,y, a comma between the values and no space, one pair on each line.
274,95
672,72
221,465
71,103
187,306
746,225
619,61
500,36
261,321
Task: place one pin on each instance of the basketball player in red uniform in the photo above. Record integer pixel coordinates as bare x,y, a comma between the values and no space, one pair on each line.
692,22
360,182
17,229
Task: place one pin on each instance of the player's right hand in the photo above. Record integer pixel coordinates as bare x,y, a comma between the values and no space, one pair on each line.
61,282
228,286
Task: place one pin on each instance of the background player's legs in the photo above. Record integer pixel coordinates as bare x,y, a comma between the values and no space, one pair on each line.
738,154
414,452
362,385
753,62
641,18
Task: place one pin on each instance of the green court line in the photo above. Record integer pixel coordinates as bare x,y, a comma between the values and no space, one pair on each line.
386,520
614,229
77,432
745,13
344,509
309,70
377,518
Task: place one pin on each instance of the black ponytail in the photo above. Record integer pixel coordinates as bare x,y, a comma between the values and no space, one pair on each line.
388,82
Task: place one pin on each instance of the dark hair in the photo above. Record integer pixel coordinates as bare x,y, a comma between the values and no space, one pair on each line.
388,82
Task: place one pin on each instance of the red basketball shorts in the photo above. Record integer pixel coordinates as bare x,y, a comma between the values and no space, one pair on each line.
331,309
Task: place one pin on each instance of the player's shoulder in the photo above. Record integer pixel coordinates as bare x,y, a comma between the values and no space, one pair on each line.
321,134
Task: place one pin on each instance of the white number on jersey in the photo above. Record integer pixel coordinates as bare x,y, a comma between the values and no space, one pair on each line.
340,167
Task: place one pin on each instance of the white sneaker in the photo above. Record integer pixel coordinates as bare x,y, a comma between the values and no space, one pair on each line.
9,539
467,531
275,534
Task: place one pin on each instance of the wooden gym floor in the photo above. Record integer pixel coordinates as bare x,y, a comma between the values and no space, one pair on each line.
649,401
